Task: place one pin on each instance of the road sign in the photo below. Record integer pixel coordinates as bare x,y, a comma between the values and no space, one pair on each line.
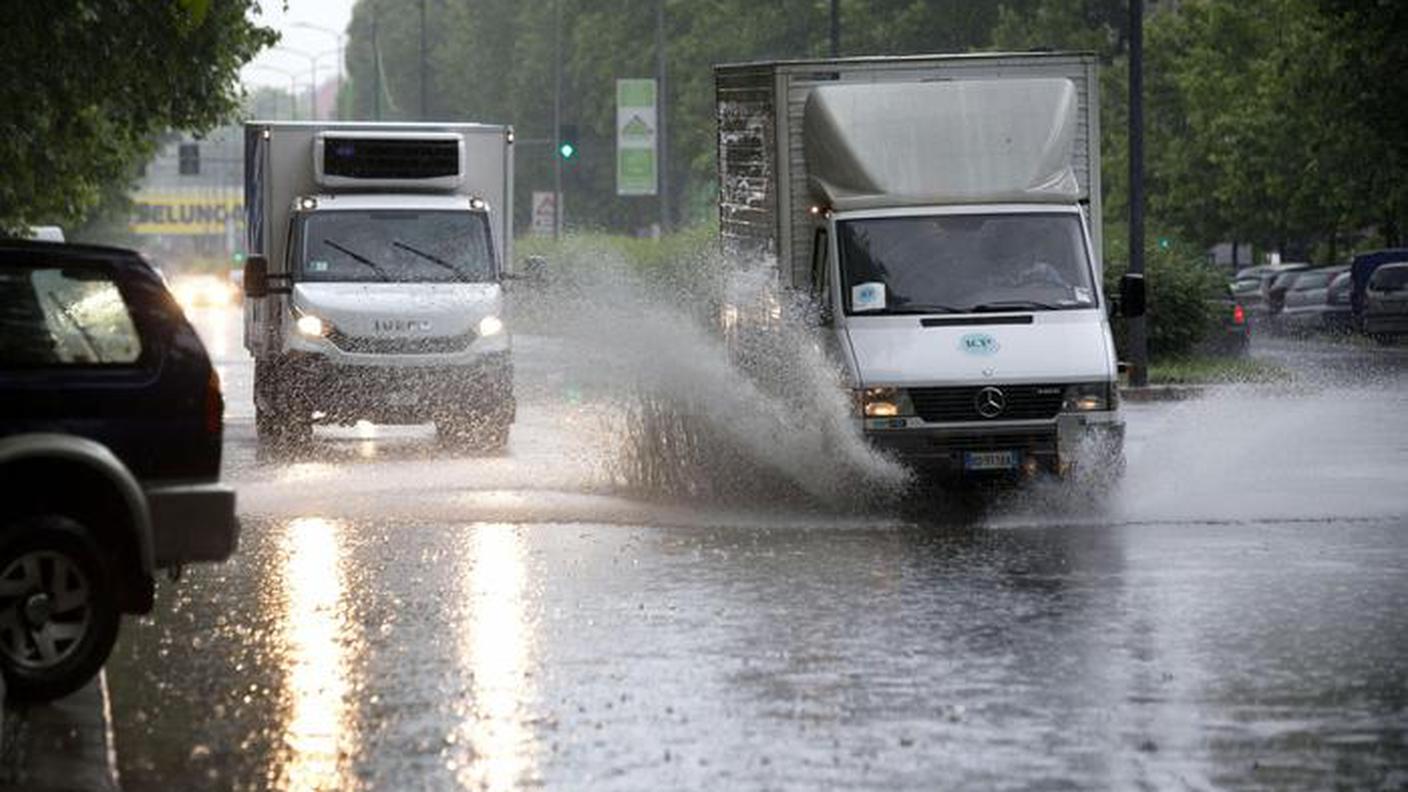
544,213
637,138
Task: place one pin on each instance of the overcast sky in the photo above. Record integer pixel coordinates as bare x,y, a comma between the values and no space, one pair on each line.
273,67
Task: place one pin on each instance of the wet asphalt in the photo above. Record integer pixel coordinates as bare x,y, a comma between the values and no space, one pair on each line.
400,617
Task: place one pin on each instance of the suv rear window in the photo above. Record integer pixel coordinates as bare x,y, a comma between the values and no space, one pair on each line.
64,316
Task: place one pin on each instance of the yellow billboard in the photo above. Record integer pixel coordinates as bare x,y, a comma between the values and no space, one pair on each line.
186,214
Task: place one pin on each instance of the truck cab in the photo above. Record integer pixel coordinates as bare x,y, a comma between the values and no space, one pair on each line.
377,293
976,337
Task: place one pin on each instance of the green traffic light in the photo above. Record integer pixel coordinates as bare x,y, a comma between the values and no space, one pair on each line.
566,150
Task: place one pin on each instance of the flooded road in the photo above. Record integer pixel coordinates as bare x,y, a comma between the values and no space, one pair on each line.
400,617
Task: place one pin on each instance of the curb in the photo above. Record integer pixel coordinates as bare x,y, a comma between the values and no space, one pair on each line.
66,744
1162,393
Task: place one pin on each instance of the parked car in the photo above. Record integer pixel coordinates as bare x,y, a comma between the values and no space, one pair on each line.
1339,317
1306,302
1232,333
1362,269
1386,302
1247,292
1277,282
110,442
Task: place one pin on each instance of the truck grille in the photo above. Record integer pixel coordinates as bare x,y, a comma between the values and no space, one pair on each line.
433,345
1023,403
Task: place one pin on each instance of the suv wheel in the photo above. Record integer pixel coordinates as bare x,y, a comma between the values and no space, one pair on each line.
58,607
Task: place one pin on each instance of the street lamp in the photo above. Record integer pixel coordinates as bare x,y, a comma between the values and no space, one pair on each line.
292,85
341,44
313,59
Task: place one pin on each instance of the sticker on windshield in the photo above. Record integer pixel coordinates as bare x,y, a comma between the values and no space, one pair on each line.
868,296
979,344
317,266
1082,294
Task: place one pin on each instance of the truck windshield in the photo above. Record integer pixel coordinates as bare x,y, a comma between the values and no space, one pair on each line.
396,246
965,264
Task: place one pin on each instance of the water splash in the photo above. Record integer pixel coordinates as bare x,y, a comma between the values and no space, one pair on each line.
698,408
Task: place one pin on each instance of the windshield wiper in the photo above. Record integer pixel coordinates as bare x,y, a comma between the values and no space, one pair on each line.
359,258
1016,305
921,308
434,259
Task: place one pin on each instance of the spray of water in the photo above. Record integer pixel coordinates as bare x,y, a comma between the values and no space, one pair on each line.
700,406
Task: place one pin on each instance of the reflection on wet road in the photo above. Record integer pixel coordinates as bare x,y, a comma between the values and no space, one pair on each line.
398,618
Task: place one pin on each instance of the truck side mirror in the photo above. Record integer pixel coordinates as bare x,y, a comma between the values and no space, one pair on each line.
1132,296
256,277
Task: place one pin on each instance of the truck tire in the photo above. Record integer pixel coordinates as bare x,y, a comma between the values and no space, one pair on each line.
479,433
276,423
59,610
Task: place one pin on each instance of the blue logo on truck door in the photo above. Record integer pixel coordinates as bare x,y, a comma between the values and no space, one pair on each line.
979,344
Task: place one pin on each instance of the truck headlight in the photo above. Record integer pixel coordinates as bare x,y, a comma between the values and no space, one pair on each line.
490,325
1089,397
311,326
884,402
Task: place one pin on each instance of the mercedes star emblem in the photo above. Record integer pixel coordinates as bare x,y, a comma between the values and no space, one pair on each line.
990,402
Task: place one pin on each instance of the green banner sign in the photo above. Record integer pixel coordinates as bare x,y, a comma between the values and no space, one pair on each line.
637,138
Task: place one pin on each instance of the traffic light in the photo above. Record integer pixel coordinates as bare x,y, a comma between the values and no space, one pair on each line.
567,142
189,155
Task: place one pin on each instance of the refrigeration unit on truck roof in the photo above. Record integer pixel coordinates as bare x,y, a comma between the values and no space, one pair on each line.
377,161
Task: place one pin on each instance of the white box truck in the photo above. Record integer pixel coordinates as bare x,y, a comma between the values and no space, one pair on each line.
943,215
374,282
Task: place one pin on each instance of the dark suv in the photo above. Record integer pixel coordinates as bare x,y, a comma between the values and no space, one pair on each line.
110,430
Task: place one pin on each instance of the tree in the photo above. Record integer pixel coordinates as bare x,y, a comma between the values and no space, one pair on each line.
491,60
87,85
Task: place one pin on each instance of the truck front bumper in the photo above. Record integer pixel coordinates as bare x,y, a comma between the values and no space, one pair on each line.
399,393
1052,446
192,522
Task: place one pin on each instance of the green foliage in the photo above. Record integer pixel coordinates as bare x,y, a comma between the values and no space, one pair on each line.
1183,291
1199,370
87,85
492,61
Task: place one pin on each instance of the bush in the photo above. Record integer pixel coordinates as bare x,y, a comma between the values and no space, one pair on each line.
1184,293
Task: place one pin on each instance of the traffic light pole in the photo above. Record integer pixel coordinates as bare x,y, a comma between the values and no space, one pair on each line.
557,119
1138,332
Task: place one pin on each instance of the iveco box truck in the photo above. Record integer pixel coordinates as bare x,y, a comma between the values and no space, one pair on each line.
374,280
944,214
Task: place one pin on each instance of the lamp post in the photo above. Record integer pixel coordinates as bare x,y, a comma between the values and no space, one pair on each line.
313,59
292,85
341,46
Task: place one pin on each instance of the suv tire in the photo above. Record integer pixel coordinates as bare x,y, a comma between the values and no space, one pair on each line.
59,611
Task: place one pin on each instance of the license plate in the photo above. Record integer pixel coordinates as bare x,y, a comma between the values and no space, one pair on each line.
989,460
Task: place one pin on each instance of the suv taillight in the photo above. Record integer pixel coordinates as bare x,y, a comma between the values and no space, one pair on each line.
1239,316
214,403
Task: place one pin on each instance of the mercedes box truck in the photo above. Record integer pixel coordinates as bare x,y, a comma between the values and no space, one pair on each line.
943,215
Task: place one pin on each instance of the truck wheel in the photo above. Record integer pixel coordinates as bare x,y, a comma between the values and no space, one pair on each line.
58,608
282,428
478,433
275,424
